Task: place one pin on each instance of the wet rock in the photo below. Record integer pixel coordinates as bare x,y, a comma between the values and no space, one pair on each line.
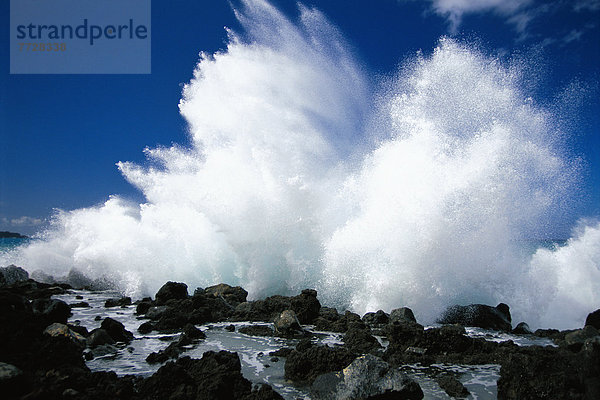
155,313
452,386
304,364
306,306
593,319
522,329
214,376
52,310
376,319
367,377
171,291
359,340
257,330
232,295
143,307
329,320
81,304
13,274
283,352
41,276
118,302
116,330
193,333
577,338
230,328
11,380
403,314
56,329
99,337
145,328
480,315
287,325
549,373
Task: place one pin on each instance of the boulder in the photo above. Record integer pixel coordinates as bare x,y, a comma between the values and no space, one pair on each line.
452,386
13,274
359,340
11,380
403,314
232,295
306,306
217,375
257,330
593,319
51,309
171,291
287,324
367,377
522,329
56,329
116,330
118,302
308,361
576,339
146,327
376,319
479,315
99,337
193,333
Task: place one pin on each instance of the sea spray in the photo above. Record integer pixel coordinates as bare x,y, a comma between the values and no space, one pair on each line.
462,168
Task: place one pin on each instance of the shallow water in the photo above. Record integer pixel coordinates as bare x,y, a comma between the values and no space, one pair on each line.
257,365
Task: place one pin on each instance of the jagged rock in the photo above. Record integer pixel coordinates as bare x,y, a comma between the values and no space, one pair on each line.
306,306
257,330
452,386
214,376
376,318
479,315
143,307
13,274
522,329
593,319
359,340
193,333
403,314
116,330
171,291
576,339
308,361
286,324
367,377
56,329
155,313
329,320
550,373
99,337
232,295
118,302
53,310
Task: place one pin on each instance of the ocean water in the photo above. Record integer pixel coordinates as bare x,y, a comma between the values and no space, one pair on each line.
301,170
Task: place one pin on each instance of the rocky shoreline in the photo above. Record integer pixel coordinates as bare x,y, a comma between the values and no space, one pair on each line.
42,356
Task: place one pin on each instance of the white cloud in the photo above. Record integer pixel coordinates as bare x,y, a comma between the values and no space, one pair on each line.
455,10
587,5
22,221
572,36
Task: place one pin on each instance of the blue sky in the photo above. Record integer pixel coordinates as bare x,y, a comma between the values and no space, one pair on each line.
61,135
